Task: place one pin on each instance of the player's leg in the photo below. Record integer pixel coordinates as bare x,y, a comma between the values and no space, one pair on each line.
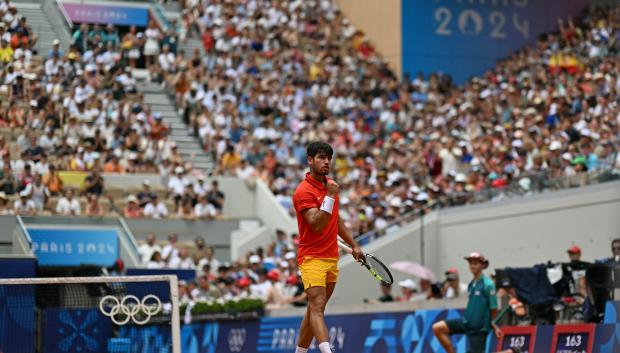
317,299
442,332
305,332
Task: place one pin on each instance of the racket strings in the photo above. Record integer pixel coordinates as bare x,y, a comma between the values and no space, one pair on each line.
379,269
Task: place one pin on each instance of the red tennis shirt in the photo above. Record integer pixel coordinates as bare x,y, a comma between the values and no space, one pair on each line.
310,194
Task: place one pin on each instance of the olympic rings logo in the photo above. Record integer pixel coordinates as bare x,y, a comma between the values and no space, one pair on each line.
236,339
129,308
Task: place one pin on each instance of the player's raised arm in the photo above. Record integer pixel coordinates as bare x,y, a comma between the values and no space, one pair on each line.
318,218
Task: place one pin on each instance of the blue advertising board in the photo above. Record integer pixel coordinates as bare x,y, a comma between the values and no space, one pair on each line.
398,332
464,38
74,247
93,13
17,311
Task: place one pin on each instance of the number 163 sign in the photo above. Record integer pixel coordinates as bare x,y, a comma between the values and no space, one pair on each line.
573,338
522,337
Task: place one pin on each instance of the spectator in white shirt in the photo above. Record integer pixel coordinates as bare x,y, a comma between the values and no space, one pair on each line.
204,210
183,261
176,185
200,188
156,261
25,206
155,209
68,205
147,249
170,250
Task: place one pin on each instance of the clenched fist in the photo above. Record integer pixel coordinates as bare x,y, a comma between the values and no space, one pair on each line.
332,188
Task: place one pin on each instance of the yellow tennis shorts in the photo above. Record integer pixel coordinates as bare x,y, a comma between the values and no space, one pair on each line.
317,272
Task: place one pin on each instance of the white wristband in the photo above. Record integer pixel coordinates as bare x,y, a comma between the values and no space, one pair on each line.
328,204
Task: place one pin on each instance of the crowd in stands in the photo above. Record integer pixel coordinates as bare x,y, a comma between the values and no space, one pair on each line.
80,111
278,75
270,274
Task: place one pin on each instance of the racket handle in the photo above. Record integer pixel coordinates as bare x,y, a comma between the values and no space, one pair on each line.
344,247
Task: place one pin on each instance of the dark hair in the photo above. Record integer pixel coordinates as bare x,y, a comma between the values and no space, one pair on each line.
318,147
617,240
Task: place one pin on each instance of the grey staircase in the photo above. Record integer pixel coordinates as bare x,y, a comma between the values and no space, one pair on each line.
189,147
40,25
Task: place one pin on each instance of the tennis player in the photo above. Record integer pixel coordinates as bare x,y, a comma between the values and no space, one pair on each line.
316,203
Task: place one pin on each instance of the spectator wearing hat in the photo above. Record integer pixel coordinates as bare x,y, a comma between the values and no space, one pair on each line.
24,206
577,271
453,287
176,185
481,309
132,210
408,289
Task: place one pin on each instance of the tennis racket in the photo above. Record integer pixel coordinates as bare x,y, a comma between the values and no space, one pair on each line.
376,268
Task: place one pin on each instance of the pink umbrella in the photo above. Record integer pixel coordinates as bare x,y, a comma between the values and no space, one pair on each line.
414,269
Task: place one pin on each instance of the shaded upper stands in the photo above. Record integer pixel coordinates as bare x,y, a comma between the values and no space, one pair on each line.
277,75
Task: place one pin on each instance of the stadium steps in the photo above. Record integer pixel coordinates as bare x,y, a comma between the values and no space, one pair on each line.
40,25
188,145
191,44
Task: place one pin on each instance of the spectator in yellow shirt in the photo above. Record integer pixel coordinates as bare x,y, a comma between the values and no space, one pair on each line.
6,52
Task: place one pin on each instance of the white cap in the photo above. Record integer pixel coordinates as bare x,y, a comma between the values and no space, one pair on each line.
414,189
132,198
422,197
178,170
460,178
146,182
56,42
567,156
408,283
284,264
289,255
396,202
254,259
24,193
555,145
517,143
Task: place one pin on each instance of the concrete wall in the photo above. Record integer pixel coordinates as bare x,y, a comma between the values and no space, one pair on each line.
520,232
532,230
242,242
270,212
380,20
355,283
